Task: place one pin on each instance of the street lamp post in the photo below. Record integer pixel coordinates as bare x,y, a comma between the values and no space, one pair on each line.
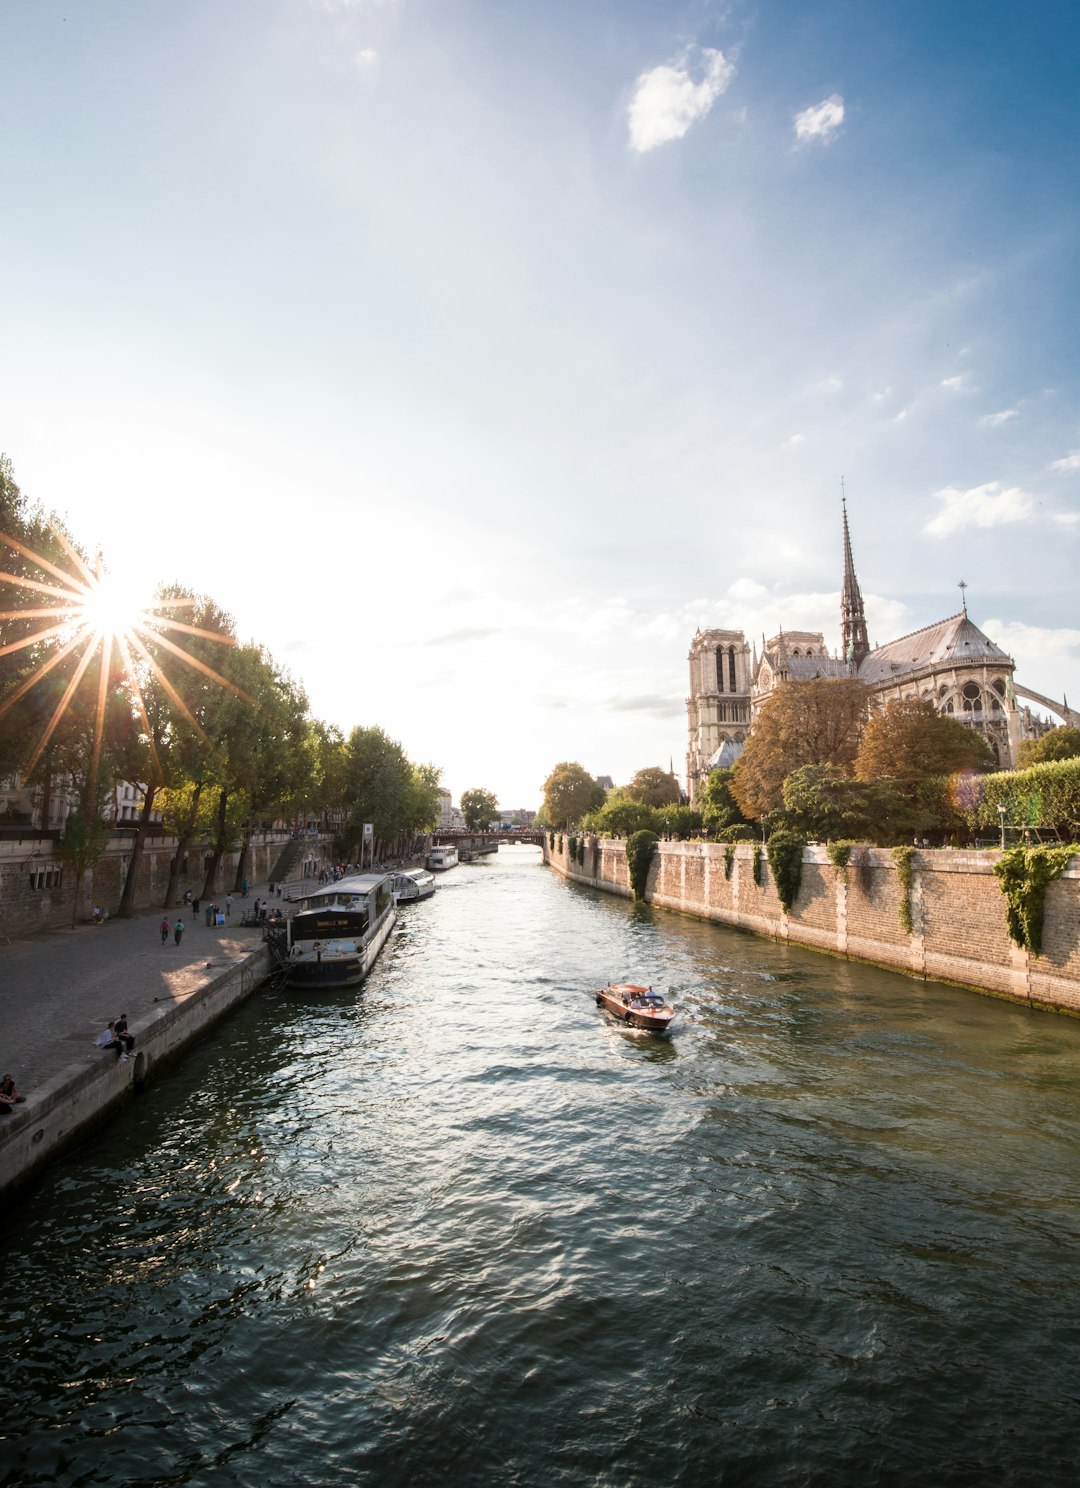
1001,813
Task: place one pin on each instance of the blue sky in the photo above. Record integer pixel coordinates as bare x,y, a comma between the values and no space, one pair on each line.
474,354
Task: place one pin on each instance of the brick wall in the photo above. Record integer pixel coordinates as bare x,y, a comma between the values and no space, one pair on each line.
958,911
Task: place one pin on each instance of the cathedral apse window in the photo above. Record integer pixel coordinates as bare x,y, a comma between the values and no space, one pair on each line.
971,693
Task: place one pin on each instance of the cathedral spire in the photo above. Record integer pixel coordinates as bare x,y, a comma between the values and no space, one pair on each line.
852,616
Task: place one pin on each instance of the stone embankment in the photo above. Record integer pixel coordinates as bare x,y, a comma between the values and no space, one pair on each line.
957,909
59,990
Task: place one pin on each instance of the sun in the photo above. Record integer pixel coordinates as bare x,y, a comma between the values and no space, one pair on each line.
85,613
108,607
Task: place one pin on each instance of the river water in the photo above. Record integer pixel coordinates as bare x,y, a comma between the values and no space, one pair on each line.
459,1227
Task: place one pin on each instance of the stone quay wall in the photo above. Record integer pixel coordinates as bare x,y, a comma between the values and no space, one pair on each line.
77,1097
39,892
957,907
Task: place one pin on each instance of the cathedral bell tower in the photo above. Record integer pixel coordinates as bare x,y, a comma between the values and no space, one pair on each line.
852,617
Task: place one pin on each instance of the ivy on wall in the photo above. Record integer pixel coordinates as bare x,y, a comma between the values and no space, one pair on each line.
902,857
785,860
729,858
640,851
758,874
1025,874
839,855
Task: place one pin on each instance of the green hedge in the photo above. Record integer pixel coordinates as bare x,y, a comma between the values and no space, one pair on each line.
1046,796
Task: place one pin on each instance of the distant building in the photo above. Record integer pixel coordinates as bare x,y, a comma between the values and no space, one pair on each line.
950,663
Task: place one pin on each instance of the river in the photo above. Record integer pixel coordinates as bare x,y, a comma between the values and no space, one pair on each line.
459,1227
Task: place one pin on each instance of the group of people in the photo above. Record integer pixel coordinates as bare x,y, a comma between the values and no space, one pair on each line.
115,1036
177,929
265,915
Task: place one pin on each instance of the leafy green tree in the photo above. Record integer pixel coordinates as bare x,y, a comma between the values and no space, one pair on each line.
680,821
716,801
378,784
654,787
423,809
619,816
1059,744
821,802
909,740
570,792
479,808
816,722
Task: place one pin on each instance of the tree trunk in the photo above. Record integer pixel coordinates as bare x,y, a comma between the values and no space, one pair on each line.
241,866
127,898
219,846
183,837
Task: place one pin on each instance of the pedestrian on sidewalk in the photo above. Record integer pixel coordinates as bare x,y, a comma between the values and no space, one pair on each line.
178,931
271,890
164,928
228,905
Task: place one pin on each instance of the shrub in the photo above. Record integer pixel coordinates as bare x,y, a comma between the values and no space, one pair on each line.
740,832
785,860
1046,796
840,855
640,850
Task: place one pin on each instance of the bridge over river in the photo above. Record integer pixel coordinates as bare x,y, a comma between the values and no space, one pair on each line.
487,842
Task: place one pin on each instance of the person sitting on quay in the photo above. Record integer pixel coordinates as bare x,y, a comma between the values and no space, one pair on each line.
178,931
107,1039
120,1029
9,1096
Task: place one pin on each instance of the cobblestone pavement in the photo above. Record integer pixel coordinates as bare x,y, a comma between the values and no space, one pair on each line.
59,988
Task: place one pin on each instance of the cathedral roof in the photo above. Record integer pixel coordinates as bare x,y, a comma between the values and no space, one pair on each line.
953,642
725,756
805,668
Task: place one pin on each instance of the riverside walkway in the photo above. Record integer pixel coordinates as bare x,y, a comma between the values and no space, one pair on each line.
59,988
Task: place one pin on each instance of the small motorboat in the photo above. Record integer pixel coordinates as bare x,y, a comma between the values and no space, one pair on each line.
641,1007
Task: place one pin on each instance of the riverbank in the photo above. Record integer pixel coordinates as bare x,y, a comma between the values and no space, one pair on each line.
60,989
954,902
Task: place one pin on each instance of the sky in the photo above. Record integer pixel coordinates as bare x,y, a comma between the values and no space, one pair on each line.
473,353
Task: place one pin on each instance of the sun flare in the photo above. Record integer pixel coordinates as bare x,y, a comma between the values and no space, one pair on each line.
83,613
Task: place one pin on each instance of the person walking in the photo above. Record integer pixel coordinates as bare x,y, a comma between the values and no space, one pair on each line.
164,927
228,906
178,931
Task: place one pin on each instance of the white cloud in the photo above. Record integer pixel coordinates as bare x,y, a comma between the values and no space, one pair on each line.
667,101
1042,654
366,58
1070,462
793,441
981,506
821,121
956,384
995,420
1066,519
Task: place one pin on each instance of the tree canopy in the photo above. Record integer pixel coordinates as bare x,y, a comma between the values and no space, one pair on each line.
816,722
479,808
570,793
1059,744
910,740
654,787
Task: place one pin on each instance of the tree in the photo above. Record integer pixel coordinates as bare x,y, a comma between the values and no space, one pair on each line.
378,785
821,802
680,821
716,802
621,817
816,722
654,787
910,740
479,808
570,792
1058,744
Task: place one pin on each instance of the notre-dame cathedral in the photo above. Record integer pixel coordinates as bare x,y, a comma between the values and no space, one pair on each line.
950,663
